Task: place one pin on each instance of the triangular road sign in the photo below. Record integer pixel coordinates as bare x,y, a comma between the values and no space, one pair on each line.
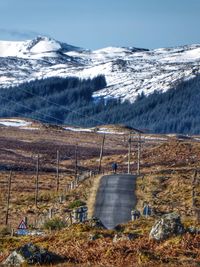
22,225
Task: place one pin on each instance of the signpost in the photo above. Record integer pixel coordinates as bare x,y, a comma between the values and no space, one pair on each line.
22,228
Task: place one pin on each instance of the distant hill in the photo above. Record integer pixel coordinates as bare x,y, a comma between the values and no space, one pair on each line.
70,101
54,82
128,71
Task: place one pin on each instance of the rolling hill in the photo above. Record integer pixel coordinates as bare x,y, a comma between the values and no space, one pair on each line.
59,83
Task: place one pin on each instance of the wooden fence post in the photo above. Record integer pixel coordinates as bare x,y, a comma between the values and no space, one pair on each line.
57,171
129,153
139,154
193,189
37,181
76,164
194,177
8,197
101,153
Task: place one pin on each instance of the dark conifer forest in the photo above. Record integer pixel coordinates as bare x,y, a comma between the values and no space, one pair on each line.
69,101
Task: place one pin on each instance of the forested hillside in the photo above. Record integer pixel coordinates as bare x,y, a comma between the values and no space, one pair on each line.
70,101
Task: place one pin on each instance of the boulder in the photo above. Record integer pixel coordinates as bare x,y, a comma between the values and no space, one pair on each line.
193,230
168,225
124,237
95,222
93,237
30,254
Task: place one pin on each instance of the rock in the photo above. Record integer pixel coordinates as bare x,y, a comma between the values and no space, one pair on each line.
193,230
93,237
124,237
95,223
168,225
36,232
30,254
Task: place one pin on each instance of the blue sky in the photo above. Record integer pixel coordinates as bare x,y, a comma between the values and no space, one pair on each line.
99,23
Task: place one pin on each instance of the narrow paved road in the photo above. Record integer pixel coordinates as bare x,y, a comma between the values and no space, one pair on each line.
115,199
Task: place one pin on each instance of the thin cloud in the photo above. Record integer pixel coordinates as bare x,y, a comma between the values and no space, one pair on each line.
18,34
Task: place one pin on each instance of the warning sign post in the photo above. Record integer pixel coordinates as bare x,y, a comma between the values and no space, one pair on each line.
22,225
22,228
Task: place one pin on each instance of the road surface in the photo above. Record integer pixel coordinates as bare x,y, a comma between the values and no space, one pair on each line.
115,199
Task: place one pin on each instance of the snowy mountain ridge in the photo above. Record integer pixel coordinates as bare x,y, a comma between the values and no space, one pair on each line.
128,71
36,48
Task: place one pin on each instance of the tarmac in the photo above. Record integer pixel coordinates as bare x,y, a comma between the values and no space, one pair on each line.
115,199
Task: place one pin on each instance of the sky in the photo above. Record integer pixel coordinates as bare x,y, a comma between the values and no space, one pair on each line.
94,24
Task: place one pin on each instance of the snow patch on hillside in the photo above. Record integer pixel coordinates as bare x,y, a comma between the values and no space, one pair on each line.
15,122
11,49
45,45
128,71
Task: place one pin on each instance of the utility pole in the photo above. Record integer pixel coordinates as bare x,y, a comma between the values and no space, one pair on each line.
193,188
129,154
193,196
139,154
76,164
37,181
194,177
57,171
101,153
8,197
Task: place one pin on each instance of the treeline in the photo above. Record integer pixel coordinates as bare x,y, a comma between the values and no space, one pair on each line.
49,100
175,111
69,101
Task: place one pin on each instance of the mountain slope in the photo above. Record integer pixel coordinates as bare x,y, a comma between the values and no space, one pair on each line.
128,71
37,48
69,101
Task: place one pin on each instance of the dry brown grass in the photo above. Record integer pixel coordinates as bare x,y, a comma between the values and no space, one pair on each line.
167,184
167,169
92,195
75,245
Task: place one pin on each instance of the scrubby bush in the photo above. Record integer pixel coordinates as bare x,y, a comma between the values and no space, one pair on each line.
4,231
76,203
54,224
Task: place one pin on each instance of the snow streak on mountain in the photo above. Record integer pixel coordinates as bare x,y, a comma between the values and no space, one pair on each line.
128,71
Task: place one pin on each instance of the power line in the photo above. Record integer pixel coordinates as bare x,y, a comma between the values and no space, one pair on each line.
35,118
22,115
43,114
64,107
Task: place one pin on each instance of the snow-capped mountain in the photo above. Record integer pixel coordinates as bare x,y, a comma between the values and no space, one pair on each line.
128,71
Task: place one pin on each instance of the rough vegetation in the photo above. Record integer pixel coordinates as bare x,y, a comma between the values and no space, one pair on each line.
169,182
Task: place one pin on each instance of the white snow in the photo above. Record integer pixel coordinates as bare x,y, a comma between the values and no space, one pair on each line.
10,49
14,122
127,73
28,49
99,130
45,46
73,129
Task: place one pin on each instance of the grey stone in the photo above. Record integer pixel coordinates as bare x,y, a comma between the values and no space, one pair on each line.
30,254
94,222
193,230
124,237
168,225
93,237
